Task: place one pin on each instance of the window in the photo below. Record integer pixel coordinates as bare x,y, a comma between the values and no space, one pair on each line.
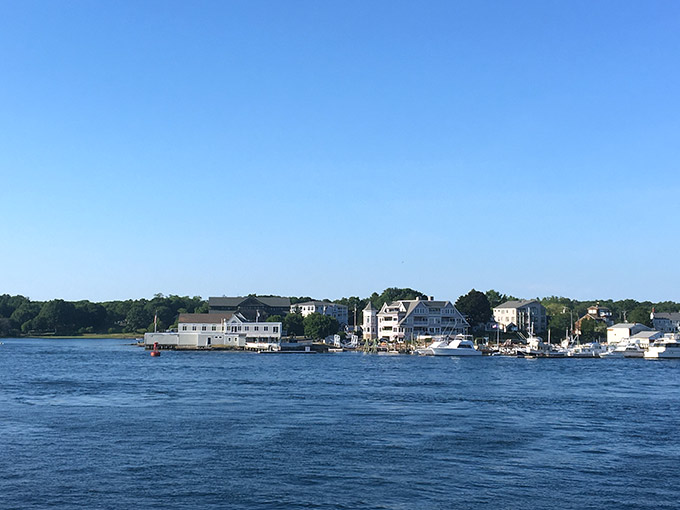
266,328
214,328
257,328
275,329
203,328
193,328
184,328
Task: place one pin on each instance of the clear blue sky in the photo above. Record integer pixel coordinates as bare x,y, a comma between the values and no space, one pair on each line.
337,148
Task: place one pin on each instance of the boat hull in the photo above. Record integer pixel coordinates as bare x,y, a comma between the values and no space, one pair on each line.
443,351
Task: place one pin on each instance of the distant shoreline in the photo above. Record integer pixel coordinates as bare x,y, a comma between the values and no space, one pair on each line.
91,336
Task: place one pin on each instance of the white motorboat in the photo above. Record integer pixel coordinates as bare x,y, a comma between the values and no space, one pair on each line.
624,350
591,350
537,348
459,345
665,348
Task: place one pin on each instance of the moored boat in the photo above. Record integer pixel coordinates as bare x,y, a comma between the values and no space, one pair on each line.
665,348
459,345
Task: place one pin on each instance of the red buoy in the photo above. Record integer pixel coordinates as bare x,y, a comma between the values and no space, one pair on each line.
155,351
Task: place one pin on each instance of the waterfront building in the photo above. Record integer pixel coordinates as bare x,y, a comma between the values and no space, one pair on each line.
623,331
370,322
666,322
595,313
645,338
216,330
253,308
521,315
339,312
406,320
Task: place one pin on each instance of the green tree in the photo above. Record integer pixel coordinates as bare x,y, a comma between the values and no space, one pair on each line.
8,304
137,318
293,323
475,306
89,317
592,330
24,314
57,316
353,303
317,325
559,323
5,327
274,318
640,314
395,294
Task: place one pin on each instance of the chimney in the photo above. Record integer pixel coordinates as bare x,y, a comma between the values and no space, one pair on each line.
430,298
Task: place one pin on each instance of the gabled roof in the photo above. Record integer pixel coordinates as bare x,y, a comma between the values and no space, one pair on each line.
273,301
369,307
203,318
237,318
225,301
629,325
518,303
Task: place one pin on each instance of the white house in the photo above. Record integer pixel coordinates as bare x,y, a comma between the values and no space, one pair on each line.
521,314
624,330
216,330
339,312
407,320
370,323
666,322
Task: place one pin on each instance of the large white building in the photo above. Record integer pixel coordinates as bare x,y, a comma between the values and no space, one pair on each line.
406,320
339,312
216,330
522,315
624,331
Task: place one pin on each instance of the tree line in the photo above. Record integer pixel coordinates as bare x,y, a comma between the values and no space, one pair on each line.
21,316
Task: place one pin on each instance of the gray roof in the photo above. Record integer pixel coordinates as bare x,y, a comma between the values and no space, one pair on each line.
369,306
412,303
317,303
273,301
673,316
518,304
225,301
203,318
646,334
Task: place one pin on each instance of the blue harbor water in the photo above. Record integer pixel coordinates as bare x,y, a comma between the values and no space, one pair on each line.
99,424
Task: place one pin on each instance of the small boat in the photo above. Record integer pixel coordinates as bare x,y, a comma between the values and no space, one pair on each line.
537,348
459,345
591,350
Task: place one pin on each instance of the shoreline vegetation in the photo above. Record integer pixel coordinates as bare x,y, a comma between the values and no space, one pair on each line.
21,317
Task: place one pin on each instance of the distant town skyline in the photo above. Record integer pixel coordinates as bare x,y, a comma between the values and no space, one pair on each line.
334,149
